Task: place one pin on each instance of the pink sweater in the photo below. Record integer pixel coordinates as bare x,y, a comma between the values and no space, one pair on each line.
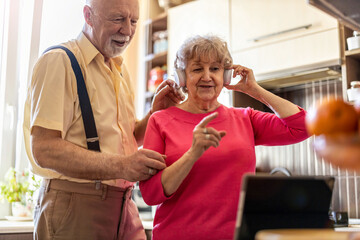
205,205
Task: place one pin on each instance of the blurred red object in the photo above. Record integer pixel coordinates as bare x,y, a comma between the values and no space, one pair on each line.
156,77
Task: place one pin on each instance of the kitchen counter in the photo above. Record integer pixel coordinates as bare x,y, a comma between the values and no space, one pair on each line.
16,226
28,226
16,230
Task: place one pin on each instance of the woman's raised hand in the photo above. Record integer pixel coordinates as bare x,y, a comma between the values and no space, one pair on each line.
247,81
205,137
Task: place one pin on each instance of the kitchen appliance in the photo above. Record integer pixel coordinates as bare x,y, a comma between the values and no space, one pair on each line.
293,77
275,202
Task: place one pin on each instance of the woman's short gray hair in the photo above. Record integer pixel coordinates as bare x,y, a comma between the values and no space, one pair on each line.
207,47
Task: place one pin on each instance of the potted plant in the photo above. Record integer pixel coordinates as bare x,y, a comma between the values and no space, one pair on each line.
18,189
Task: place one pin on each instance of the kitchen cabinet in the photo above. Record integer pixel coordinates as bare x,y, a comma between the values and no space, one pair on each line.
298,54
196,18
16,230
259,22
351,62
282,35
16,236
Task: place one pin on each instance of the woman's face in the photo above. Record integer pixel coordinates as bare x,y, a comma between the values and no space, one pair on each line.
204,79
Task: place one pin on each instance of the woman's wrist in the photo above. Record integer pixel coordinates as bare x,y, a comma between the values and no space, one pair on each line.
192,155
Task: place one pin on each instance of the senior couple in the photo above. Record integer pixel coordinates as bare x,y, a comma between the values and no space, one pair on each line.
195,150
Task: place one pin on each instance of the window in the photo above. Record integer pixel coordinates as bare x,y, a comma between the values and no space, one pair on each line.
27,28
54,30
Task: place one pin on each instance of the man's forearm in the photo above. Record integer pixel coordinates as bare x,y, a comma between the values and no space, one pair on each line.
50,151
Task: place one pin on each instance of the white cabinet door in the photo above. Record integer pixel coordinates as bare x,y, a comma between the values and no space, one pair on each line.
260,22
196,18
305,52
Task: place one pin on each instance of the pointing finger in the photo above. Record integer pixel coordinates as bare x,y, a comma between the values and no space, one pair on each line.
205,121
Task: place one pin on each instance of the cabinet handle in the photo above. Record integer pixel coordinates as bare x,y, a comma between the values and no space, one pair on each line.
279,33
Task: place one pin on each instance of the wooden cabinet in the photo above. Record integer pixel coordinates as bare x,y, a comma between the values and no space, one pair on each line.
351,62
154,58
16,236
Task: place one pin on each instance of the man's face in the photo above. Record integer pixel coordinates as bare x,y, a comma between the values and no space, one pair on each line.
113,24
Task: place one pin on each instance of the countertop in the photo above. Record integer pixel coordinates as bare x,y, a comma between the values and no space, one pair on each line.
7,226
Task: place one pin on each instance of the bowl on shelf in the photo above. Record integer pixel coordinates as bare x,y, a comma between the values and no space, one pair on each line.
354,42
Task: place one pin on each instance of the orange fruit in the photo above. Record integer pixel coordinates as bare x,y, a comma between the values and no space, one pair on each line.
331,117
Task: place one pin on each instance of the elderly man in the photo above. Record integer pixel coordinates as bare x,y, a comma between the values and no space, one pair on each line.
86,192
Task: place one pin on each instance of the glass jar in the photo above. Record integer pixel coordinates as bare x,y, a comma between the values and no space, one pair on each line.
160,41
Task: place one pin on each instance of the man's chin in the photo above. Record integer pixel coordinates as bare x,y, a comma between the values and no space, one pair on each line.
118,51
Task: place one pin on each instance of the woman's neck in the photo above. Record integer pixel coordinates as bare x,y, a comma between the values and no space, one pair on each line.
195,107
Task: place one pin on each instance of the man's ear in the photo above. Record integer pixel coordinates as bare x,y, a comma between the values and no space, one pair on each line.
88,15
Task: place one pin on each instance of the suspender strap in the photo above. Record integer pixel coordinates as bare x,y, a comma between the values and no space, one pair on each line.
92,138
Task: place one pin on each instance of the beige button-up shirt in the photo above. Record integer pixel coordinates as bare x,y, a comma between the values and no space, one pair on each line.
53,102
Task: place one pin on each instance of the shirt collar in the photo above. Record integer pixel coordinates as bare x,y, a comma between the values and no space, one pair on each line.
90,52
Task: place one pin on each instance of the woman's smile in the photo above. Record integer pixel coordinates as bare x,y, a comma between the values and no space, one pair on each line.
205,86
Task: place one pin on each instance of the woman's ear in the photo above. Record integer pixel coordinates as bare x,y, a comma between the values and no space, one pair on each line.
88,15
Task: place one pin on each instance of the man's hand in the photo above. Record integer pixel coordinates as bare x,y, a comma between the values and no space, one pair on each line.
166,95
142,165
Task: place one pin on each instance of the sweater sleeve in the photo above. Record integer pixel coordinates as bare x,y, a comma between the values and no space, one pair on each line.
271,130
152,189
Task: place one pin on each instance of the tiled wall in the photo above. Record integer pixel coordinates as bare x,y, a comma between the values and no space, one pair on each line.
300,158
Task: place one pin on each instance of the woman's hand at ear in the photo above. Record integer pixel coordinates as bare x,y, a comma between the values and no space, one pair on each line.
247,81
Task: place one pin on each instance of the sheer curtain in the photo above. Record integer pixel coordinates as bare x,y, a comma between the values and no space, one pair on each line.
27,28
16,27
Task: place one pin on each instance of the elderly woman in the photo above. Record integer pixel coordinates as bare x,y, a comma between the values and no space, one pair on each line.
208,146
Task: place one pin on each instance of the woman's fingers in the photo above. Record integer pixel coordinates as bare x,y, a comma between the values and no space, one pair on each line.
214,132
207,136
206,120
244,72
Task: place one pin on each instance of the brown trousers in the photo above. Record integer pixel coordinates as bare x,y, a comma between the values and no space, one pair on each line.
68,210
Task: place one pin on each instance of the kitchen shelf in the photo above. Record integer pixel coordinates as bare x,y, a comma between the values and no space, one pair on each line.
158,23
152,57
355,53
156,59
